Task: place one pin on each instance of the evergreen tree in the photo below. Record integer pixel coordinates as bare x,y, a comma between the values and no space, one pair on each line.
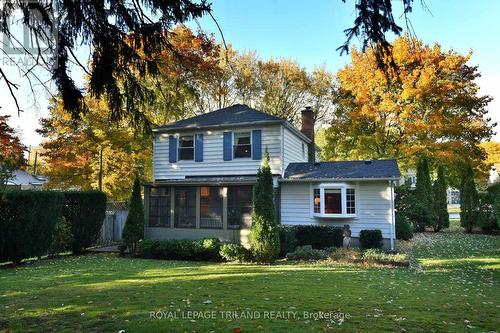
134,226
423,212
442,218
469,200
264,233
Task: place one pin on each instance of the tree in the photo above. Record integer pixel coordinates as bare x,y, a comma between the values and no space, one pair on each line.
264,233
423,214
427,105
469,200
133,231
442,218
11,151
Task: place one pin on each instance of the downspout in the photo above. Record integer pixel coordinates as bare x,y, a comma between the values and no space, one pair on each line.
282,155
393,217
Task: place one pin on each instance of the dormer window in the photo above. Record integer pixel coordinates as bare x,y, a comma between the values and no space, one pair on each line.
242,145
186,148
334,200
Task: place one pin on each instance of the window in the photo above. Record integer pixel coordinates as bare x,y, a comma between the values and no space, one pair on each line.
211,207
159,207
242,145
334,200
239,206
186,147
185,207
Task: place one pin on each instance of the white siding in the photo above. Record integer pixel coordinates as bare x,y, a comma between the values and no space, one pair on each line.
373,207
293,148
213,163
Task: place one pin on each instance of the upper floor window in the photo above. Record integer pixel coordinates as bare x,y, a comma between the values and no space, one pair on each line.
186,147
242,145
334,200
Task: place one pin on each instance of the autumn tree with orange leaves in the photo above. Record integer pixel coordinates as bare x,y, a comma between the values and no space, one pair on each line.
11,151
427,105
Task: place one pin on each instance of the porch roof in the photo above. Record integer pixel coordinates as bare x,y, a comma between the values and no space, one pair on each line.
222,180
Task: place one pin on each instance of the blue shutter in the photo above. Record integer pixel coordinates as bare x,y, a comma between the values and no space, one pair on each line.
172,149
198,148
256,144
228,143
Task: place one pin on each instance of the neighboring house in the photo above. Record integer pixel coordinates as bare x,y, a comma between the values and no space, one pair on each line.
452,194
494,177
26,181
205,167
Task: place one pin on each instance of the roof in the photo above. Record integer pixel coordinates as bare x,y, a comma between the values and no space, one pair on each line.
235,115
376,169
216,180
21,177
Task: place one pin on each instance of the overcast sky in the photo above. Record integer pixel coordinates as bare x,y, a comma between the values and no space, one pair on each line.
309,32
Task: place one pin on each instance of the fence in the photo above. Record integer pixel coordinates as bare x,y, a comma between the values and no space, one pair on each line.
114,222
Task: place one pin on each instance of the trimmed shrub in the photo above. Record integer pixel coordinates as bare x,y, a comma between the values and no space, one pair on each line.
370,239
319,236
134,225
85,211
288,240
180,249
307,253
264,232
404,229
235,252
441,216
27,222
380,256
486,218
62,237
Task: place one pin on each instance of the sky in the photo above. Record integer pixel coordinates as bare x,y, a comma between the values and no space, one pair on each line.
309,32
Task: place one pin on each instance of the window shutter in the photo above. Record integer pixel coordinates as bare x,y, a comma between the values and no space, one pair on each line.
256,144
228,149
198,148
172,149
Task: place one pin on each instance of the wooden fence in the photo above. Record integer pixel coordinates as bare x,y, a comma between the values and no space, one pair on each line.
114,222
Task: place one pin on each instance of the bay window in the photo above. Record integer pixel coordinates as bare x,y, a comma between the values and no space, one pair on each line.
334,200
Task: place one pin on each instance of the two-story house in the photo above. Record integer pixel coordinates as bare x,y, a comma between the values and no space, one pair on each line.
205,167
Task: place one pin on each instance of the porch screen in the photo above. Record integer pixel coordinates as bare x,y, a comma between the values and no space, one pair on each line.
159,207
185,207
239,206
211,207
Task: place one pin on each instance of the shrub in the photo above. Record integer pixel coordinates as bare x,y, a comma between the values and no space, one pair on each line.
264,233
424,210
288,240
134,225
469,200
85,211
343,254
61,238
441,216
307,253
235,252
494,192
404,229
319,236
180,249
27,222
370,239
381,256
404,200
486,217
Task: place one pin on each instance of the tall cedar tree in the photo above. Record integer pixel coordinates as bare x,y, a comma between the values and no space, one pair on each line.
442,218
469,200
423,214
264,233
134,226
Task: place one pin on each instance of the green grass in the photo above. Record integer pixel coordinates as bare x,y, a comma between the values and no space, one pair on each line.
457,290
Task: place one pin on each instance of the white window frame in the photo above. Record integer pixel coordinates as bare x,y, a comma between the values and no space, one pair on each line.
234,144
334,186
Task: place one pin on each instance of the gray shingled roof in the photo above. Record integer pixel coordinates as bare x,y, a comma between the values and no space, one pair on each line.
232,115
343,170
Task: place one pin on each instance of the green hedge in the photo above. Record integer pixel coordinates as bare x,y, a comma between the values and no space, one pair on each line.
235,252
206,249
404,229
85,212
370,239
318,236
27,221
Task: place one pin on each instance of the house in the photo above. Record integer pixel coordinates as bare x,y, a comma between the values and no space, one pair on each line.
26,181
205,167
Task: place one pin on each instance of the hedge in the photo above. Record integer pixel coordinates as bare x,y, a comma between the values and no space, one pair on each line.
206,249
370,239
27,221
318,236
85,212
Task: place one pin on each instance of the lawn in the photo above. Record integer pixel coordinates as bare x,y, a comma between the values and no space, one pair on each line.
456,289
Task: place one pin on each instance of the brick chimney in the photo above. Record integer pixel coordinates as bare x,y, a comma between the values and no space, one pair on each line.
307,129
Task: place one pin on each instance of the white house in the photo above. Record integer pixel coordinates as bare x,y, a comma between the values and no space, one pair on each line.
205,167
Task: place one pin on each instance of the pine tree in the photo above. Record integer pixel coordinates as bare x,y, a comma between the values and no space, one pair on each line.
442,218
134,226
423,210
264,233
469,200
